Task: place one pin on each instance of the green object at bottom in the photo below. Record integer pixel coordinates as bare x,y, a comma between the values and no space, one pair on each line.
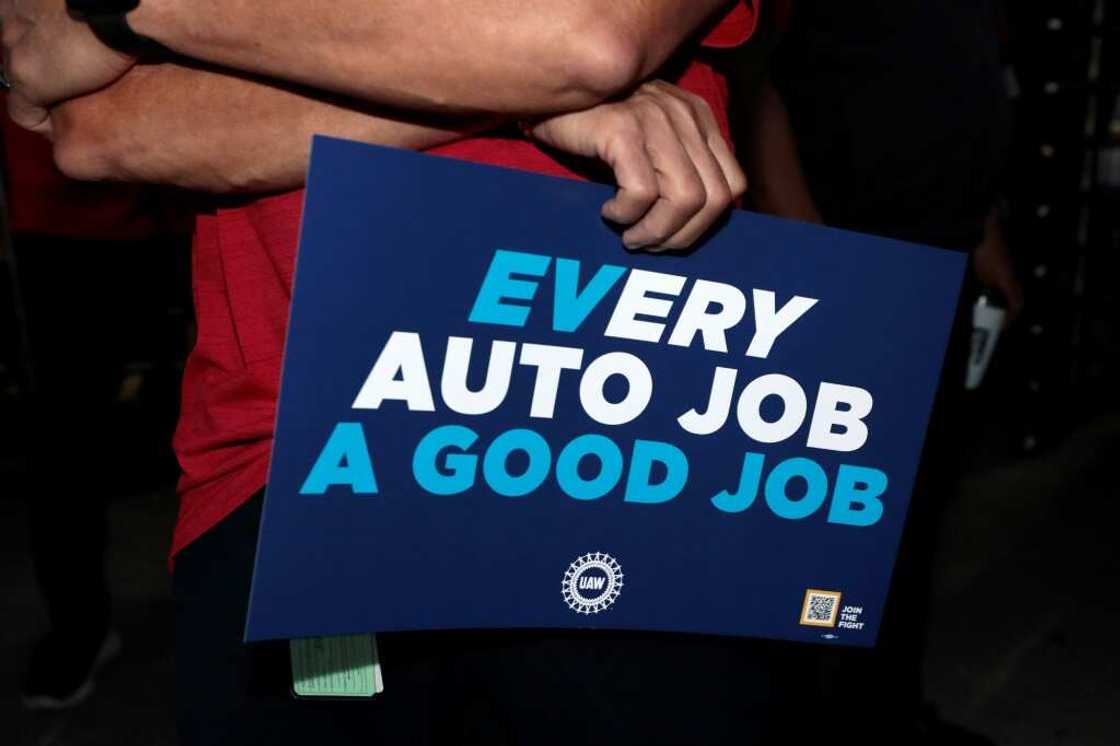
336,667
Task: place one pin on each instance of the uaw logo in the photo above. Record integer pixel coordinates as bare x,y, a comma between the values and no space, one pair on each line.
592,583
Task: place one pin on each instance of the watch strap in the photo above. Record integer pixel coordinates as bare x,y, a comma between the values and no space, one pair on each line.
113,31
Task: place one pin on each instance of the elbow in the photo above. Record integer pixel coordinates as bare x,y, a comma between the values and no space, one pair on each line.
602,63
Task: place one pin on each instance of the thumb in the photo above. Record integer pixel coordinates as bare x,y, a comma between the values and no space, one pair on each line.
574,133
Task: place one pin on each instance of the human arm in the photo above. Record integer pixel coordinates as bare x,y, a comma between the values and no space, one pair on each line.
209,131
521,57
214,132
513,57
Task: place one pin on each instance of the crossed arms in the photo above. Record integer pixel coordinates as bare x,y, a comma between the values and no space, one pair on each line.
263,77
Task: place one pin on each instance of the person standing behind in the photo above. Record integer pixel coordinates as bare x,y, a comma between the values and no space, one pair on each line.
890,117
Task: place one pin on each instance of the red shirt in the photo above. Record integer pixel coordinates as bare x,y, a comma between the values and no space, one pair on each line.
243,263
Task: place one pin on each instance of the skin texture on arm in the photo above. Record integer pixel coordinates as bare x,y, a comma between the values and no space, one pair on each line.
213,132
773,165
520,57
675,173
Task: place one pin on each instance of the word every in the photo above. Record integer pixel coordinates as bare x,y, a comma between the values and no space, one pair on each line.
710,310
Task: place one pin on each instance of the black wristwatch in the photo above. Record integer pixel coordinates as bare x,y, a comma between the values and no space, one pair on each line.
108,19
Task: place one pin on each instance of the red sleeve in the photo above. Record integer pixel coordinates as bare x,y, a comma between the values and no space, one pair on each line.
735,27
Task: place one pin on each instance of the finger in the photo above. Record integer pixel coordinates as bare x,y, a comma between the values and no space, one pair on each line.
717,143
633,173
27,114
718,196
681,192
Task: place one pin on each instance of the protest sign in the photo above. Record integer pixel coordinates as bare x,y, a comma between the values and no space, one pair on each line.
493,416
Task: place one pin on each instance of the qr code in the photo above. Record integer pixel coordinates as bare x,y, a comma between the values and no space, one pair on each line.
820,608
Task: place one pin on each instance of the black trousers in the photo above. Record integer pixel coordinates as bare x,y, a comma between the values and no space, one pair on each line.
458,688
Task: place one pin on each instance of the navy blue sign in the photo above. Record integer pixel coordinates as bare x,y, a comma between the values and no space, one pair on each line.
494,416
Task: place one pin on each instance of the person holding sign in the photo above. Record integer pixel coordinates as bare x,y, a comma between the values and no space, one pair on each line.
223,100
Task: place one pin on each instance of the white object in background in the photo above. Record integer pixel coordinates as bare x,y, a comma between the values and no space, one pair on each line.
987,322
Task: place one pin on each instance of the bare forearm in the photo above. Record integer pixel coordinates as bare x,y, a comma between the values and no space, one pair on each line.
778,184
207,131
494,56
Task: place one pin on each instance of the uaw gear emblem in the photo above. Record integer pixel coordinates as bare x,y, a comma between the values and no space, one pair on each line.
592,583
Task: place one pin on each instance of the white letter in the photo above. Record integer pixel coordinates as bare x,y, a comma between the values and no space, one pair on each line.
549,360
453,386
401,354
637,397
795,405
695,317
826,417
719,405
769,325
634,301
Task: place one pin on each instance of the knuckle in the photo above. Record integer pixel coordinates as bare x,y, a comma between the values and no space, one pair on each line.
681,106
738,184
652,110
24,74
719,199
645,191
699,104
690,197
18,68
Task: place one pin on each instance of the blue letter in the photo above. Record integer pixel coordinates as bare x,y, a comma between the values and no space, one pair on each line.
815,494
856,485
569,306
499,285
610,467
748,486
458,468
344,460
494,464
638,487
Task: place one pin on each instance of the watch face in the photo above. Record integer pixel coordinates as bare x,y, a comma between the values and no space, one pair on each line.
102,7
